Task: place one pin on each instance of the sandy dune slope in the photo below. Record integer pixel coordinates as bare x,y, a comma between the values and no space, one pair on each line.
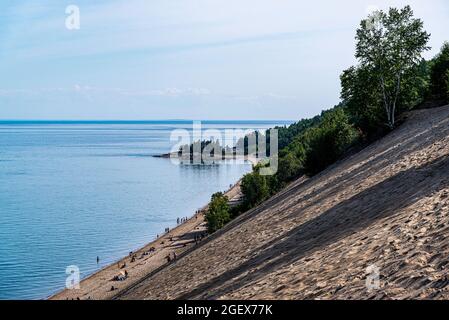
386,207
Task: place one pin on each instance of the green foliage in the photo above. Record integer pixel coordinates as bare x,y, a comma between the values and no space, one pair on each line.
391,78
206,147
287,135
327,142
447,85
362,98
414,88
389,47
438,74
255,189
291,162
218,213
313,150
250,143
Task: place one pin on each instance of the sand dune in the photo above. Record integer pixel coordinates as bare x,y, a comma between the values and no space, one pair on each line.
386,207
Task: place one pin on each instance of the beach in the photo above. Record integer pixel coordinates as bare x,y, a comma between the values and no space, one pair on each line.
145,261
76,191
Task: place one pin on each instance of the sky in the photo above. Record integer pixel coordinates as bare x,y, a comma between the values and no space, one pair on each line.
184,59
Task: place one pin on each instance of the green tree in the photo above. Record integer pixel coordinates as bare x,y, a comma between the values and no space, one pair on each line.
438,74
327,142
291,161
361,97
254,188
447,83
390,45
415,87
218,214
287,135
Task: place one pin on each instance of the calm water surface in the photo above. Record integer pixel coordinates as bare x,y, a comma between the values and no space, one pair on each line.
70,192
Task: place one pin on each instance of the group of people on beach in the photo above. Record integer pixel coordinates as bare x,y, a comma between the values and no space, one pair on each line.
121,277
124,274
181,220
169,257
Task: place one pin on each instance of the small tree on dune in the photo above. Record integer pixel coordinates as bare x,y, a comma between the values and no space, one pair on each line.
218,213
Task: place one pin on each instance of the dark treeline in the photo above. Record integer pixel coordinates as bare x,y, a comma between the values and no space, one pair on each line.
247,145
209,147
391,78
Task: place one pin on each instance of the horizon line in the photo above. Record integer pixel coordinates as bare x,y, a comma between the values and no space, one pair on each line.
145,120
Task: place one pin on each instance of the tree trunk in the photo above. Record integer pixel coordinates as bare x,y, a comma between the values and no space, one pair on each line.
387,106
393,107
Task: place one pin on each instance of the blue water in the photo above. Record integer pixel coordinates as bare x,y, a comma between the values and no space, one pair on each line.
72,191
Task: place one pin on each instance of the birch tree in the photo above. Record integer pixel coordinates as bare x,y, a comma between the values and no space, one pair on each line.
390,44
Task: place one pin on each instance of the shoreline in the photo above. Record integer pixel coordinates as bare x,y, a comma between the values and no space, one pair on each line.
144,260
118,261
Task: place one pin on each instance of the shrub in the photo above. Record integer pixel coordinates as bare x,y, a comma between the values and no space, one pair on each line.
361,96
291,162
254,188
329,141
218,213
447,85
438,73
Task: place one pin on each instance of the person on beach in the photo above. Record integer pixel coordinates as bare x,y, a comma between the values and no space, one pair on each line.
98,259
